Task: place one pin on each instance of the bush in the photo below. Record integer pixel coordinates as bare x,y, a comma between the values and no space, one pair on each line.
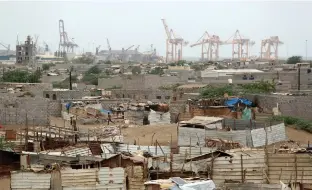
297,122
157,71
294,60
22,76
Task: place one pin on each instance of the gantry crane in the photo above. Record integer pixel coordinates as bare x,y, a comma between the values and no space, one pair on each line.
174,45
6,46
269,48
65,44
210,47
240,46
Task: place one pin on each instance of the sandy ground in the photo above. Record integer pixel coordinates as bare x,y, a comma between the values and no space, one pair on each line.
298,135
144,135
5,183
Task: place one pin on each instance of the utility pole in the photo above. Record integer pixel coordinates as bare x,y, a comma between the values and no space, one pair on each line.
306,50
70,81
299,65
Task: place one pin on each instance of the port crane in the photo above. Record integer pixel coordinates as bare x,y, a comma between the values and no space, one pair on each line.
209,46
174,45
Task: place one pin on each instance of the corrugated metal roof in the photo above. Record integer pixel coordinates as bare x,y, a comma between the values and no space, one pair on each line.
78,151
30,180
202,120
156,151
107,148
79,178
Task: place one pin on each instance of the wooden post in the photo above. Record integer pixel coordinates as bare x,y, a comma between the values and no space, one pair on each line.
242,169
26,133
171,159
296,169
59,132
266,153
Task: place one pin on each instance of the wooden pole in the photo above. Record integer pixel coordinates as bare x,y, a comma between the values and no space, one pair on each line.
242,169
26,134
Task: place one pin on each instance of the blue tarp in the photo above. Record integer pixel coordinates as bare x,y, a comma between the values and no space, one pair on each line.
234,101
105,111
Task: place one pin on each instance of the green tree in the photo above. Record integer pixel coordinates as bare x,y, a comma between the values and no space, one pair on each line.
157,71
90,79
136,70
22,76
294,60
94,70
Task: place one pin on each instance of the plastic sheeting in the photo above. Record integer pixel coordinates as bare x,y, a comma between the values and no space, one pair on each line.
105,111
246,115
204,185
234,101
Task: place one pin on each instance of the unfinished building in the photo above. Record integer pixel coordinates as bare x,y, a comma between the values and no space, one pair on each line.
25,53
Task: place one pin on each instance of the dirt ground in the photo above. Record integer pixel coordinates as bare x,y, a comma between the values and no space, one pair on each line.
299,136
143,135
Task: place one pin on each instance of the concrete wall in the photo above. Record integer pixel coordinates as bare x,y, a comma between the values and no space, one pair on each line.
151,95
295,106
65,94
131,82
275,133
35,88
35,110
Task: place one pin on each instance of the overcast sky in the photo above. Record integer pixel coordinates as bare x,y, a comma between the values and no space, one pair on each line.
139,23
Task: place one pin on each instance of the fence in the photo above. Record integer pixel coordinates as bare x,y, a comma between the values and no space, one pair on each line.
188,137
70,179
247,166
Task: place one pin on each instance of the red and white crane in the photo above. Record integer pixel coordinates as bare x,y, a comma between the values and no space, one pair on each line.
65,44
210,47
240,46
174,45
269,48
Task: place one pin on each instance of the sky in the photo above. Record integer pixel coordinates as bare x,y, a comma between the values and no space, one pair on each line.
127,23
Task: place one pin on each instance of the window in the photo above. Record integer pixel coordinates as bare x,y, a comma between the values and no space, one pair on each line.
174,98
146,97
47,95
167,97
54,97
158,97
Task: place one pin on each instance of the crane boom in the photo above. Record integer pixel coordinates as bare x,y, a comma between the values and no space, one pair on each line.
108,45
129,48
166,29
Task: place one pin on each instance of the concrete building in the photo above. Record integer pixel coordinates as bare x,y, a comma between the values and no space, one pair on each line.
25,53
59,94
162,96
